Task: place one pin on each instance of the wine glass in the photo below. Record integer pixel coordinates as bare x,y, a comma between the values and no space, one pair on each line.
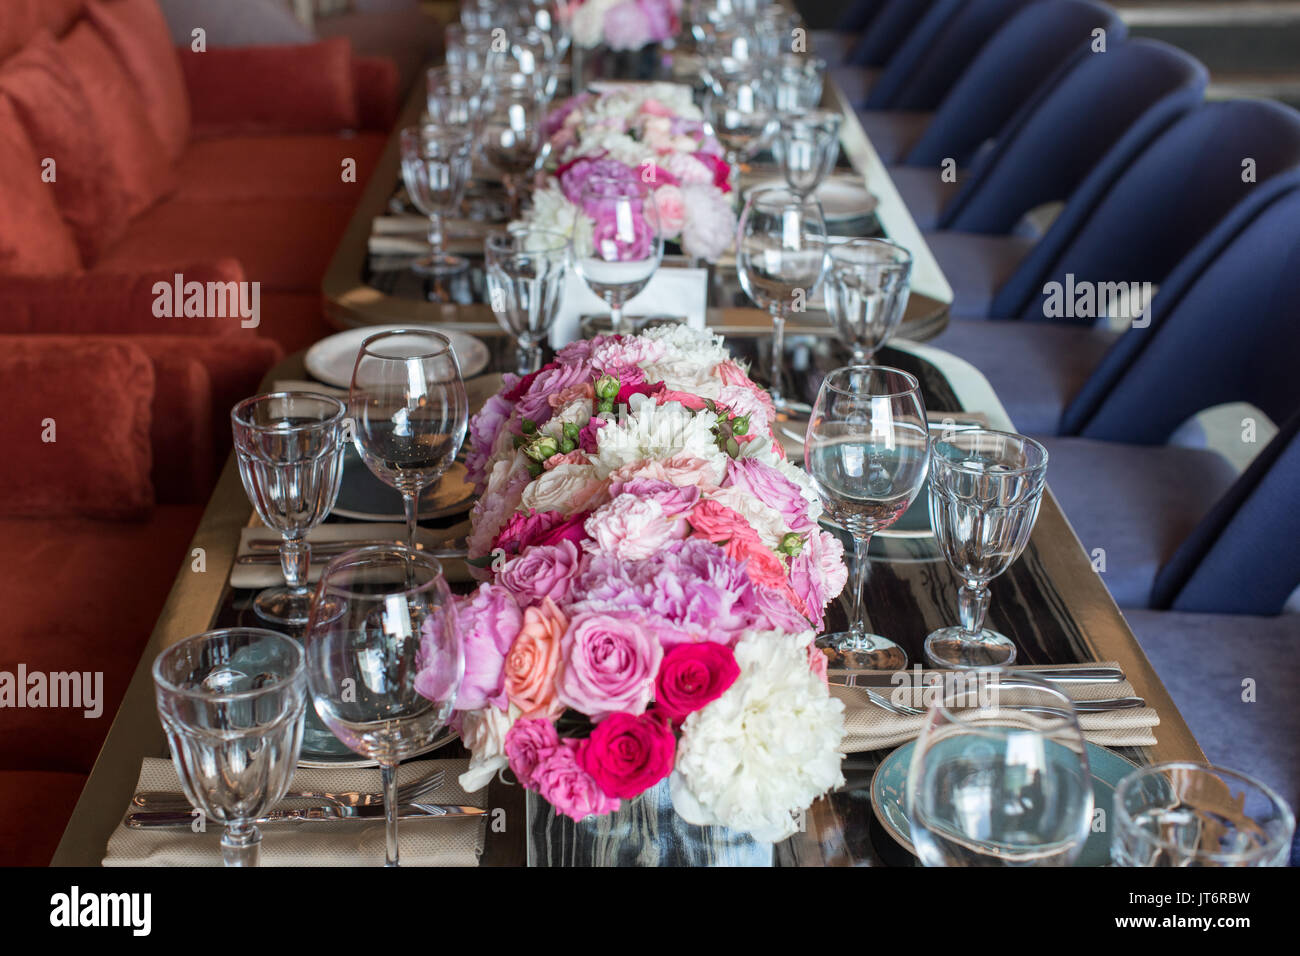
999,777
289,446
867,450
774,28
552,17
780,257
530,52
740,112
232,704
796,81
384,659
526,268
867,285
467,48
409,411
512,130
985,488
1192,814
435,167
627,244
807,146
455,98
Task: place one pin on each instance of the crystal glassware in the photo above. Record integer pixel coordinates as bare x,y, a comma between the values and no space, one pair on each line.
1192,815
467,48
985,488
512,130
780,258
740,112
999,777
435,168
384,659
866,291
409,411
867,451
526,269
455,99
796,81
232,704
530,52
807,146
626,247
289,446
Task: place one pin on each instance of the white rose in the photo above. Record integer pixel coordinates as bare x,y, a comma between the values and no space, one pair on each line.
483,732
561,489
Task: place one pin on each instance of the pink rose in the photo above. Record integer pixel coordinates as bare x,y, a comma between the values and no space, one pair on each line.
693,675
609,665
528,744
560,780
534,660
628,755
572,458
693,402
572,393
541,572
489,619
671,209
761,563
673,499
731,373
818,574
540,527
655,108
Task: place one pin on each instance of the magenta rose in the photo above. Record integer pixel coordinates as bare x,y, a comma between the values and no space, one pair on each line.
628,755
562,782
609,665
539,527
542,571
528,744
489,620
571,529
693,675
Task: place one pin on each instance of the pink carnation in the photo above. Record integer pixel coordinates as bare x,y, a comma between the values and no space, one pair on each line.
530,743
565,785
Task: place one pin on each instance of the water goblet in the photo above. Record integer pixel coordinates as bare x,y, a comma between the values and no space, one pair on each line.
740,112
807,146
232,705
999,776
526,268
455,98
985,488
867,451
435,168
467,48
530,52
384,659
409,411
866,291
289,447
512,130
627,244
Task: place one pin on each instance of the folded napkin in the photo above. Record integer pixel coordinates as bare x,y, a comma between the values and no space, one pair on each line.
871,727
433,842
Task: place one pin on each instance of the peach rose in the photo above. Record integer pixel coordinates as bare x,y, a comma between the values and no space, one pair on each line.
533,662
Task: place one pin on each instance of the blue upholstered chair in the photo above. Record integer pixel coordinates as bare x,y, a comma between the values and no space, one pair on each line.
884,37
835,44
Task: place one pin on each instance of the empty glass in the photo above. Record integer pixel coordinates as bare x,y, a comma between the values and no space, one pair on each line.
289,446
454,98
626,243
740,112
435,168
867,450
526,268
867,285
780,257
232,704
409,411
467,48
985,488
1000,777
512,131
1192,814
384,659
530,52
807,146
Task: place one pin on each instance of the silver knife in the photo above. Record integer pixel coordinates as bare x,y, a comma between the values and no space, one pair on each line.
1061,675
442,554
149,819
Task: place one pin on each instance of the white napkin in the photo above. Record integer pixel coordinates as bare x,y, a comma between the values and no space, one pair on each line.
671,291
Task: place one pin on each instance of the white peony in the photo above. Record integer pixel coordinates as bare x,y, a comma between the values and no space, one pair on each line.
483,732
763,751
656,432
553,212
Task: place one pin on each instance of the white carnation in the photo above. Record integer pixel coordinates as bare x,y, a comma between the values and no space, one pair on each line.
656,432
553,212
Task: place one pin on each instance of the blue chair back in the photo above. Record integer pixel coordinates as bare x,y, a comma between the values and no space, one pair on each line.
1161,206
937,52
1042,40
1088,125
859,14
887,32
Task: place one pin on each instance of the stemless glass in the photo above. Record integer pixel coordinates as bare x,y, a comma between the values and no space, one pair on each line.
512,130
807,146
1192,814
232,705
985,488
526,268
289,446
409,411
740,112
867,285
436,163
867,452
999,777
384,659
626,243
780,257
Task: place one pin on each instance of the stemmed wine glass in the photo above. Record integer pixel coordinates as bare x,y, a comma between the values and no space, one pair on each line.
531,52
526,268
867,450
436,163
807,147
740,112
780,257
467,48
627,244
999,777
384,659
455,98
867,286
985,488
409,411
512,130
796,80
289,446
232,705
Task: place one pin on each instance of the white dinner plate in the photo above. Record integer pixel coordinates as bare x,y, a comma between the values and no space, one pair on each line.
842,199
331,359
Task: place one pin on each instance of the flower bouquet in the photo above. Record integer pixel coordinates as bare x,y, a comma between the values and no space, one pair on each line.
624,24
655,574
653,134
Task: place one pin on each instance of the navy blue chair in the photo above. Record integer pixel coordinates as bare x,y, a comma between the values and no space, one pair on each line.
835,44
884,37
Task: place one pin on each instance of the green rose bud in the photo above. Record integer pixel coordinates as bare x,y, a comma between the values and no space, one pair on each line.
791,544
535,468
529,426
607,388
740,425
542,448
572,433
605,406
567,446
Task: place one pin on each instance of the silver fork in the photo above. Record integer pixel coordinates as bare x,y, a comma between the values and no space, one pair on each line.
407,793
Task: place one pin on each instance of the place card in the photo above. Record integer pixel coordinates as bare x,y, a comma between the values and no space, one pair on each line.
671,291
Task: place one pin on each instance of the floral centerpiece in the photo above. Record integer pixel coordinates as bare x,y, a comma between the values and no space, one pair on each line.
655,574
624,24
650,133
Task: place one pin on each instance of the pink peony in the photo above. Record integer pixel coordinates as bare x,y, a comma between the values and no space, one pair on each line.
528,744
631,528
609,665
489,620
560,780
679,470
673,499
671,207
627,755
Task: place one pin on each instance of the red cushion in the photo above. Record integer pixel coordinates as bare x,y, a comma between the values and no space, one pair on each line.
20,20
34,810
308,166
138,34
98,396
34,239
306,88
141,171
